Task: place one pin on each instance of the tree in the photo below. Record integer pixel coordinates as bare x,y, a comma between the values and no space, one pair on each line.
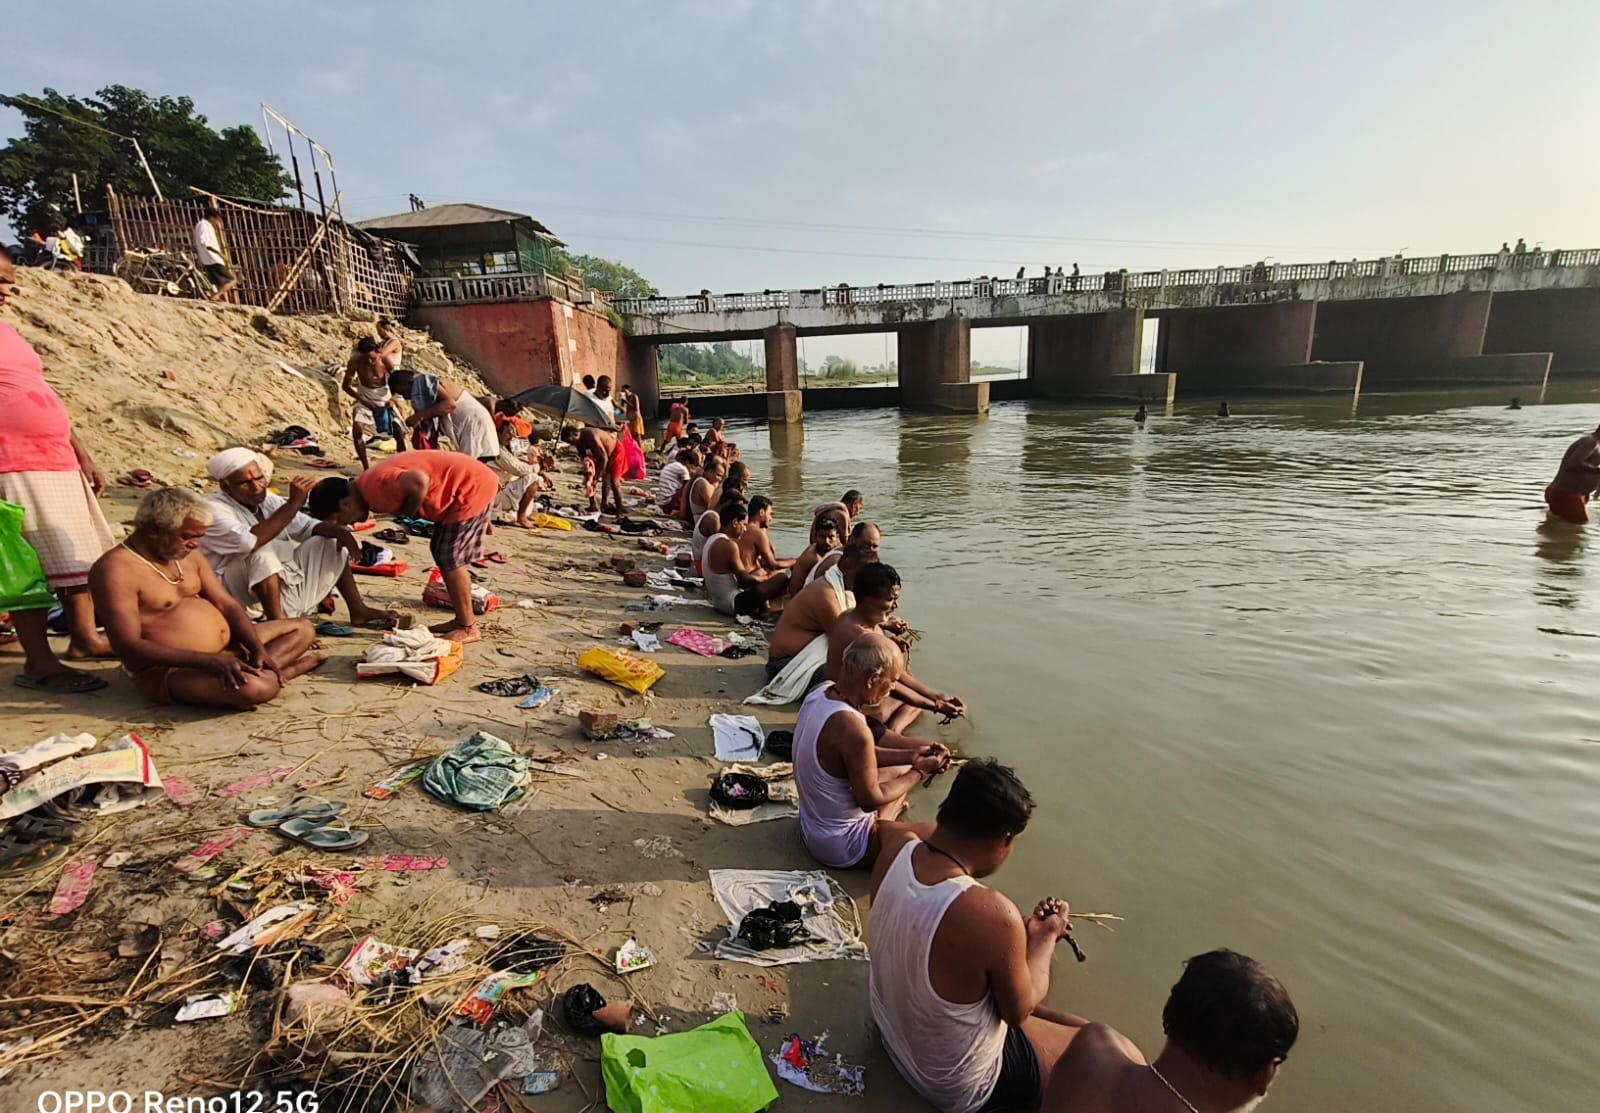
67,135
616,279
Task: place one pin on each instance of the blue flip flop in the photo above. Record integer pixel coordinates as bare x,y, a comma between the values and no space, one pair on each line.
327,834
301,807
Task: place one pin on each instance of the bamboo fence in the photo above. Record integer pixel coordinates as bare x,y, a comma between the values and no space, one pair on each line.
287,260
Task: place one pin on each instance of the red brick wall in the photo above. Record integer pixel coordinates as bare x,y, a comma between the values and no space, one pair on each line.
517,345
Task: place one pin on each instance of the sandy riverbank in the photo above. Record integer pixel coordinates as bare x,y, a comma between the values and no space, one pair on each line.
573,839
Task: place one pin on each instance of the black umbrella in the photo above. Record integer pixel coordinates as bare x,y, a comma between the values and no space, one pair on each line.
566,403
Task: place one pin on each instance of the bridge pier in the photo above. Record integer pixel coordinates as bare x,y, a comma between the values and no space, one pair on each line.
1250,348
783,373
935,361
1423,341
644,375
1565,323
1093,355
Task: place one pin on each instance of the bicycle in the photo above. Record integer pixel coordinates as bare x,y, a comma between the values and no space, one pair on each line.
164,273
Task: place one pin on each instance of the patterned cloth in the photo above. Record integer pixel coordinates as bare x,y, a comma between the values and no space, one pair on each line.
62,522
458,544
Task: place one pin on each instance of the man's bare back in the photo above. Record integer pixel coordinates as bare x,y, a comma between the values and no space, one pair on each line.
1103,1071
845,630
1579,470
812,611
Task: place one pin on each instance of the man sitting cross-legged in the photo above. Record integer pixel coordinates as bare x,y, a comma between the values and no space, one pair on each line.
959,975
854,781
877,592
266,550
179,634
1229,1026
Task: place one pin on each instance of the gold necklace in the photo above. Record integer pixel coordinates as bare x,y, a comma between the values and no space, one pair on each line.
177,564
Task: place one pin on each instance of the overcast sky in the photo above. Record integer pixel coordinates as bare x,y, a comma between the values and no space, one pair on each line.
752,144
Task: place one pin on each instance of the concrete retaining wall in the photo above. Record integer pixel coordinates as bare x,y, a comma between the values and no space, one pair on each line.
1343,377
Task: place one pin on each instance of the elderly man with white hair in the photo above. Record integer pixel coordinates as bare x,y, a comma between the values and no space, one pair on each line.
267,551
179,634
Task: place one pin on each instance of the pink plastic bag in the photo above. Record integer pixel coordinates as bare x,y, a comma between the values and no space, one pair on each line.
695,642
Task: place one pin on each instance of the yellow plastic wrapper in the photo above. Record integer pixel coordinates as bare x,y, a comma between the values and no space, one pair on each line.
621,668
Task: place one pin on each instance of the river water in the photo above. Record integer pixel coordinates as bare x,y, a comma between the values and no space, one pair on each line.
1315,685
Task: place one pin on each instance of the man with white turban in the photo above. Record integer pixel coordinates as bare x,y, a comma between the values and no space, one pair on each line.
269,553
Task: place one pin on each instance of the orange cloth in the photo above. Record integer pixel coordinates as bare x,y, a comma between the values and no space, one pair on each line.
518,426
1569,505
674,431
459,487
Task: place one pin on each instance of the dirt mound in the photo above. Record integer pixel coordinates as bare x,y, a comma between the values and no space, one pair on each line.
147,379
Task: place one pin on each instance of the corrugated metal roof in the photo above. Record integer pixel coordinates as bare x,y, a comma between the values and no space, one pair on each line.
444,216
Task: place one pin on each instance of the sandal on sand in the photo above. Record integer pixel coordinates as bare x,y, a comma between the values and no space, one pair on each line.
70,681
522,685
393,536
323,834
495,558
321,462
135,479
333,630
25,857
301,807
389,620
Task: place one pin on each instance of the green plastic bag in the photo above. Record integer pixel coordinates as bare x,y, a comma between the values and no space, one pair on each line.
22,583
715,1068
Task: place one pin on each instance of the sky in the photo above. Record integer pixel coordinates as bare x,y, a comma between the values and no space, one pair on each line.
758,144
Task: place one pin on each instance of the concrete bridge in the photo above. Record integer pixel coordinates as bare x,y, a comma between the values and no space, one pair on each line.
1279,328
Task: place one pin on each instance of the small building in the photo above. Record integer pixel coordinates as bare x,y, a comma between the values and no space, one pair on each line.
465,239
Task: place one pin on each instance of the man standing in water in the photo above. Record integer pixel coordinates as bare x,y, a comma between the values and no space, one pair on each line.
1229,1027
1576,479
959,977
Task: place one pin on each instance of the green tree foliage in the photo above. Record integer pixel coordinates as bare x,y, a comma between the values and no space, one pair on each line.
719,361
837,367
182,148
615,278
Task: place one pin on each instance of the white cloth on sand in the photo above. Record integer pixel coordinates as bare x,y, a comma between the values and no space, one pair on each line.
826,911
738,737
794,681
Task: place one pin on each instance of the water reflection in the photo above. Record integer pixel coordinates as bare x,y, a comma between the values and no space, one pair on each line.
1277,684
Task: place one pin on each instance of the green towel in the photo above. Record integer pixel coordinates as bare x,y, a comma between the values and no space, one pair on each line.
715,1068
481,773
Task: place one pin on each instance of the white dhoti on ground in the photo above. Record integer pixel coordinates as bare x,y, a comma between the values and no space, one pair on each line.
794,680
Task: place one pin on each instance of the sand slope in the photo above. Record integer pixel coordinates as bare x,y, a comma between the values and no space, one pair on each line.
109,353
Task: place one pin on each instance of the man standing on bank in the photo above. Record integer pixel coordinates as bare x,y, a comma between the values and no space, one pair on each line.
208,254
450,489
959,977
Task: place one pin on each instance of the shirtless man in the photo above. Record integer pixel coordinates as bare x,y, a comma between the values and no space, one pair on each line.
716,445
704,490
813,612
959,976
756,546
853,782
600,454
366,379
877,592
735,587
180,635
864,535
846,510
1576,479
1229,1026
824,539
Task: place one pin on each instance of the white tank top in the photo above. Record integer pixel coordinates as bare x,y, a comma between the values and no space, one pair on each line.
951,1054
722,587
698,541
832,823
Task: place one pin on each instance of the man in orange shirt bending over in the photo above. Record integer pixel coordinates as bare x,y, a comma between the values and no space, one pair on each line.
450,489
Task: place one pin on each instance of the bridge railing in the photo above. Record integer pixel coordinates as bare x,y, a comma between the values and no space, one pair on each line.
1259,274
